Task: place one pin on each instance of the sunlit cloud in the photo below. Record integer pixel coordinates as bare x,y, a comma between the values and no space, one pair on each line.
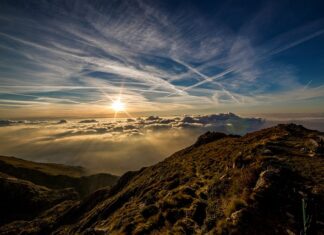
86,142
120,145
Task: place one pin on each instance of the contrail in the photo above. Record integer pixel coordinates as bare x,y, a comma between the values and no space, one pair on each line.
296,43
207,79
306,86
210,79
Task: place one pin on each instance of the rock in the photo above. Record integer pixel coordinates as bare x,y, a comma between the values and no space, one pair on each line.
265,179
236,216
313,143
266,152
289,232
304,150
222,177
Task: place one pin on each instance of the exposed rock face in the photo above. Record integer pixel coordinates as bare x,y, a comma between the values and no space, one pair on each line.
265,179
221,185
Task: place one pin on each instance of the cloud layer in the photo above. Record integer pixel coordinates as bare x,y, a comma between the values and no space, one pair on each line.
113,146
121,145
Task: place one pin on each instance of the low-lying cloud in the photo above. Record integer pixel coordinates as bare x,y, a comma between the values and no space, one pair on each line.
113,146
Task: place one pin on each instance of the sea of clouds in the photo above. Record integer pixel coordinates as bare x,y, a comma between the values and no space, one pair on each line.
112,145
115,146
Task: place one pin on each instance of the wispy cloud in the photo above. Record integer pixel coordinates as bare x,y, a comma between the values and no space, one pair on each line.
82,54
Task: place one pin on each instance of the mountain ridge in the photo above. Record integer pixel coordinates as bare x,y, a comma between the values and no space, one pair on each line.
254,184
29,188
55,176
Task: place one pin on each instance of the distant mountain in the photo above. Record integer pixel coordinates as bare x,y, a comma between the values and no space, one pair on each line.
29,188
267,182
56,176
46,168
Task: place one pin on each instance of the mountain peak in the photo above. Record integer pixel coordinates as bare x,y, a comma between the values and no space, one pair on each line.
223,184
210,137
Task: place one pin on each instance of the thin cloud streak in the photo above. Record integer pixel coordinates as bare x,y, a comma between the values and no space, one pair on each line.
153,56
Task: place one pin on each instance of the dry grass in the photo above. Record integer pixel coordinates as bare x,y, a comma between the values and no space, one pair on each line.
197,189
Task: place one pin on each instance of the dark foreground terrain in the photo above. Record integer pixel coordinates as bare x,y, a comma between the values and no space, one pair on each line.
29,188
266,182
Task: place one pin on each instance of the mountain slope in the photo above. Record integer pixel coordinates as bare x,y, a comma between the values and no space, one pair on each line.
56,176
223,184
47,168
20,199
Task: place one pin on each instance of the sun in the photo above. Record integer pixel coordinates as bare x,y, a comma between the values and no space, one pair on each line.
118,106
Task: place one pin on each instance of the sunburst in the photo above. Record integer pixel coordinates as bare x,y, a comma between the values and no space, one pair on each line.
118,105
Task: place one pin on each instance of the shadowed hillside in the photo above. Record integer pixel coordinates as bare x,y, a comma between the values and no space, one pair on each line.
56,176
223,184
29,188
22,199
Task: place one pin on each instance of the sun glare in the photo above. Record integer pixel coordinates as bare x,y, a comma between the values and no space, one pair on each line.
118,106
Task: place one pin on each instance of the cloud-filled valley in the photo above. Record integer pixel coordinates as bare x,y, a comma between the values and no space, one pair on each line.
120,145
111,145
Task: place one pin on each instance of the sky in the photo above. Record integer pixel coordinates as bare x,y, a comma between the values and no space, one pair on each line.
61,59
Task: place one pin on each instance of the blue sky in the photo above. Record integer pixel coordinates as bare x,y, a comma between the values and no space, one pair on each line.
74,58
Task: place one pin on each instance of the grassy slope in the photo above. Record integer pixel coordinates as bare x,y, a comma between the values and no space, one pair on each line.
223,185
47,168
